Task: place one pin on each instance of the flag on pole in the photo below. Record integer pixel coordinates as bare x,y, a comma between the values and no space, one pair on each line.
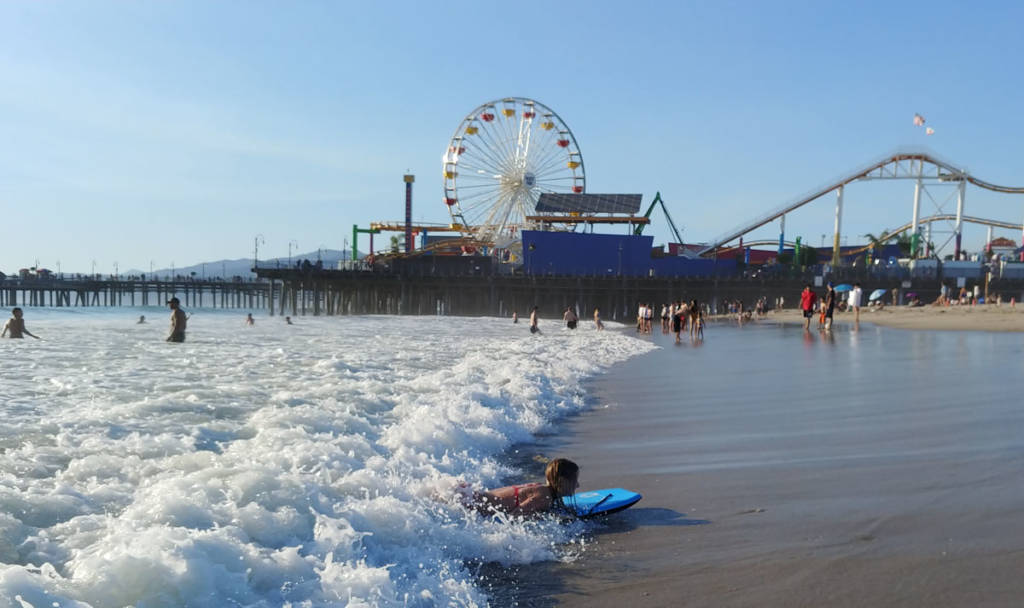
918,120
929,131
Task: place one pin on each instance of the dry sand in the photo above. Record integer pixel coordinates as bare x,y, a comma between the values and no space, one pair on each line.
977,318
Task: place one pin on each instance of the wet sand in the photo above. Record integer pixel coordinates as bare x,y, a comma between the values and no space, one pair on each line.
786,468
961,318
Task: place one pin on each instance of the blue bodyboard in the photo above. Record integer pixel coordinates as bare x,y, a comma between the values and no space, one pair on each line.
601,502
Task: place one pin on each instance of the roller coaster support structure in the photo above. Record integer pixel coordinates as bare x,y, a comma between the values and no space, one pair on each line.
839,221
921,166
782,234
959,228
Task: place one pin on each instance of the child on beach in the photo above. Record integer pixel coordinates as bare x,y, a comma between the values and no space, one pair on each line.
561,478
597,319
15,326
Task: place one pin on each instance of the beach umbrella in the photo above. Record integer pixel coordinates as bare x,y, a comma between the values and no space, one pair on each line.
844,287
876,294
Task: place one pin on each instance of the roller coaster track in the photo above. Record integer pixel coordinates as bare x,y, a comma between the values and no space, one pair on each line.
924,220
891,166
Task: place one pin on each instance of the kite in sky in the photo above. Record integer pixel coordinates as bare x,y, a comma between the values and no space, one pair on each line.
919,122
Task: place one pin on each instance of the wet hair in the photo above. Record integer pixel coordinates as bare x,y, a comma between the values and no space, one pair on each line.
557,470
16,309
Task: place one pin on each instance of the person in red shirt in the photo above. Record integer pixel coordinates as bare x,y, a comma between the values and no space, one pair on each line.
807,298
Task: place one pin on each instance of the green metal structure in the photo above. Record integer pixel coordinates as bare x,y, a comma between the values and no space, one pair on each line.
355,238
657,199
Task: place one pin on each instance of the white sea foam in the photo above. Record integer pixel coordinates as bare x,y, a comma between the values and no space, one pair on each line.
272,465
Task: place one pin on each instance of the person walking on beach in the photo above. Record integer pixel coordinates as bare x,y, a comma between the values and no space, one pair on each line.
855,296
597,319
534,329
830,305
15,326
807,299
178,321
570,317
515,316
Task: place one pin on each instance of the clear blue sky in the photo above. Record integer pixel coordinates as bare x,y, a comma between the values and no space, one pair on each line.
133,132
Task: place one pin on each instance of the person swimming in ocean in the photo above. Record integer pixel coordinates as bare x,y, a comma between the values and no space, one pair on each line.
561,479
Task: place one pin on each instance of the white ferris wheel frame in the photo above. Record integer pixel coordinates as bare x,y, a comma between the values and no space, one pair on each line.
503,155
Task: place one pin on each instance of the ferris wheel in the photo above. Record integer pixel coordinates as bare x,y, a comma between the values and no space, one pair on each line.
503,155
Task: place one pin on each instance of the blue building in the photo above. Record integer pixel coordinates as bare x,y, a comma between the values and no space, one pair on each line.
582,254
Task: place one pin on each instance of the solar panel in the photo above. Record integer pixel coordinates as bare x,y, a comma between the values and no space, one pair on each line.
588,203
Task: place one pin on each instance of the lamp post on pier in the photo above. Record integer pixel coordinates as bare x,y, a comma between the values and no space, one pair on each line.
291,243
94,269
256,249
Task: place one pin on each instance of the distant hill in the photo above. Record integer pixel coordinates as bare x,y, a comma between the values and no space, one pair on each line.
242,267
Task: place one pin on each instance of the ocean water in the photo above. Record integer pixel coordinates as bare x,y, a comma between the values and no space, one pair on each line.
275,465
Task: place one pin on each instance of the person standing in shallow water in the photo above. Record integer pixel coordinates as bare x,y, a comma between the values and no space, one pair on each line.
178,321
830,306
807,298
249,320
570,318
15,326
533,321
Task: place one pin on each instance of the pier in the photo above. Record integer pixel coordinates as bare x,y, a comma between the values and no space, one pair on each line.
474,291
357,292
57,293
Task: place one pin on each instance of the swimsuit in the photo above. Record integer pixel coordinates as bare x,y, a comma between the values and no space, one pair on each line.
515,491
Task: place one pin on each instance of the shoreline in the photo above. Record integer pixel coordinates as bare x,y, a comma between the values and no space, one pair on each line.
997,318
